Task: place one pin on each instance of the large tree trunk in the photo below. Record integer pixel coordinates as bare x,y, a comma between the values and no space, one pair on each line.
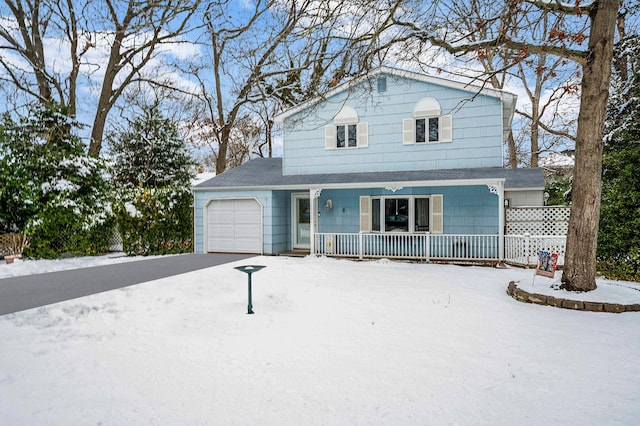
105,101
221,159
582,238
97,132
535,134
513,155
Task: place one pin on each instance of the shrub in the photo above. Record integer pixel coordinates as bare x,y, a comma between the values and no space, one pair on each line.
625,268
51,189
155,221
152,169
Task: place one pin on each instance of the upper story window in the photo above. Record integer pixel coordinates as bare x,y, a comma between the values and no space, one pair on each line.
346,135
346,131
427,124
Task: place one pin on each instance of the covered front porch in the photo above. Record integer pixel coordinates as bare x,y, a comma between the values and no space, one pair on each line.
480,208
426,221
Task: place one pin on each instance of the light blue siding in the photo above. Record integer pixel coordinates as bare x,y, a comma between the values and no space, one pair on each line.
467,209
202,198
477,131
281,222
276,210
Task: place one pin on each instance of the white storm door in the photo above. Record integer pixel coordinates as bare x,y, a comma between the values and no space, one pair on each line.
300,221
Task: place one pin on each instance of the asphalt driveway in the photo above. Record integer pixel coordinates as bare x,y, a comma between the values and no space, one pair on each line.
31,291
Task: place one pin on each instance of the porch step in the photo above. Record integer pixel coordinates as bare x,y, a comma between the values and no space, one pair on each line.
295,253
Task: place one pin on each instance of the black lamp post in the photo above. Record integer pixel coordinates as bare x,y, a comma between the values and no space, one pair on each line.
249,269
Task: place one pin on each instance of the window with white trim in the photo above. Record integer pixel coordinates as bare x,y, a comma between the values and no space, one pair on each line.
346,136
427,124
345,131
413,213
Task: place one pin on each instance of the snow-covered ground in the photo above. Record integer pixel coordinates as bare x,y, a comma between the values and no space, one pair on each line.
333,342
27,267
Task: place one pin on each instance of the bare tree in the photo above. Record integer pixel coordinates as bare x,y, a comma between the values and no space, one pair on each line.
23,58
280,53
139,29
544,115
133,30
547,81
566,41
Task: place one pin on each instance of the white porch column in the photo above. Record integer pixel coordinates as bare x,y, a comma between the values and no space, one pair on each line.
498,189
501,220
314,193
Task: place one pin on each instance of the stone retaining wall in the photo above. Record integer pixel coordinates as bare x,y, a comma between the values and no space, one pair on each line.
578,305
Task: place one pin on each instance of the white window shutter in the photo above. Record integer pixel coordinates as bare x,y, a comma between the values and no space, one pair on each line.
365,213
408,131
329,136
437,214
363,135
446,128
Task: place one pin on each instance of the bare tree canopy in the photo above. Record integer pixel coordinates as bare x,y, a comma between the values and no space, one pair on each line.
582,33
46,46
275,54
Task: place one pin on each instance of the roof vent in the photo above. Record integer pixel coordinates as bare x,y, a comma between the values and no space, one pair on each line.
382,84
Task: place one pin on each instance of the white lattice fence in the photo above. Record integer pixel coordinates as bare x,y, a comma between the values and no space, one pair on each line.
550,220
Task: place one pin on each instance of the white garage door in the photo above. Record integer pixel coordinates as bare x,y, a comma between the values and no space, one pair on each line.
234,226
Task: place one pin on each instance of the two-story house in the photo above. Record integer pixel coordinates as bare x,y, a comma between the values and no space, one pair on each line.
394,164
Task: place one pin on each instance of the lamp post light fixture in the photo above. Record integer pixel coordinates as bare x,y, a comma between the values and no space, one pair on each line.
249,269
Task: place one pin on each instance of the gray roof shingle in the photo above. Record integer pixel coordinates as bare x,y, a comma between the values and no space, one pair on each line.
267,173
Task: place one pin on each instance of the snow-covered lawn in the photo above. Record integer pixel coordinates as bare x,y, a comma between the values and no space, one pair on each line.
27,266
333,342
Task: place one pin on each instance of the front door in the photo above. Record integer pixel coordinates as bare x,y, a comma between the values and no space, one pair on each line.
301,218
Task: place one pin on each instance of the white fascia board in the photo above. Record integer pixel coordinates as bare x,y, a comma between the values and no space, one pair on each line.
533,188
360,185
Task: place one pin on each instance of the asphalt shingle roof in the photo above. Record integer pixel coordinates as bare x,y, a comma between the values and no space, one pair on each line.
267,173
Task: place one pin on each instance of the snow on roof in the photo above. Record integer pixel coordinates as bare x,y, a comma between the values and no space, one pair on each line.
557,159
202,177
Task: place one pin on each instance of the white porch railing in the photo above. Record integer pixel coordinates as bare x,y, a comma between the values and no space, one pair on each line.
519,249
408,246
523,249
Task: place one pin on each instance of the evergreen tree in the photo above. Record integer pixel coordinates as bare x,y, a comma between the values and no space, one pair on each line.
153,171
50,188
619,236
151,153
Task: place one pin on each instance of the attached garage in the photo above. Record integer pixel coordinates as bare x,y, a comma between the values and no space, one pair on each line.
234,226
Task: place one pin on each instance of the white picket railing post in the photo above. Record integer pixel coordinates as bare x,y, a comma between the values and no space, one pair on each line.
427,247
526,247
